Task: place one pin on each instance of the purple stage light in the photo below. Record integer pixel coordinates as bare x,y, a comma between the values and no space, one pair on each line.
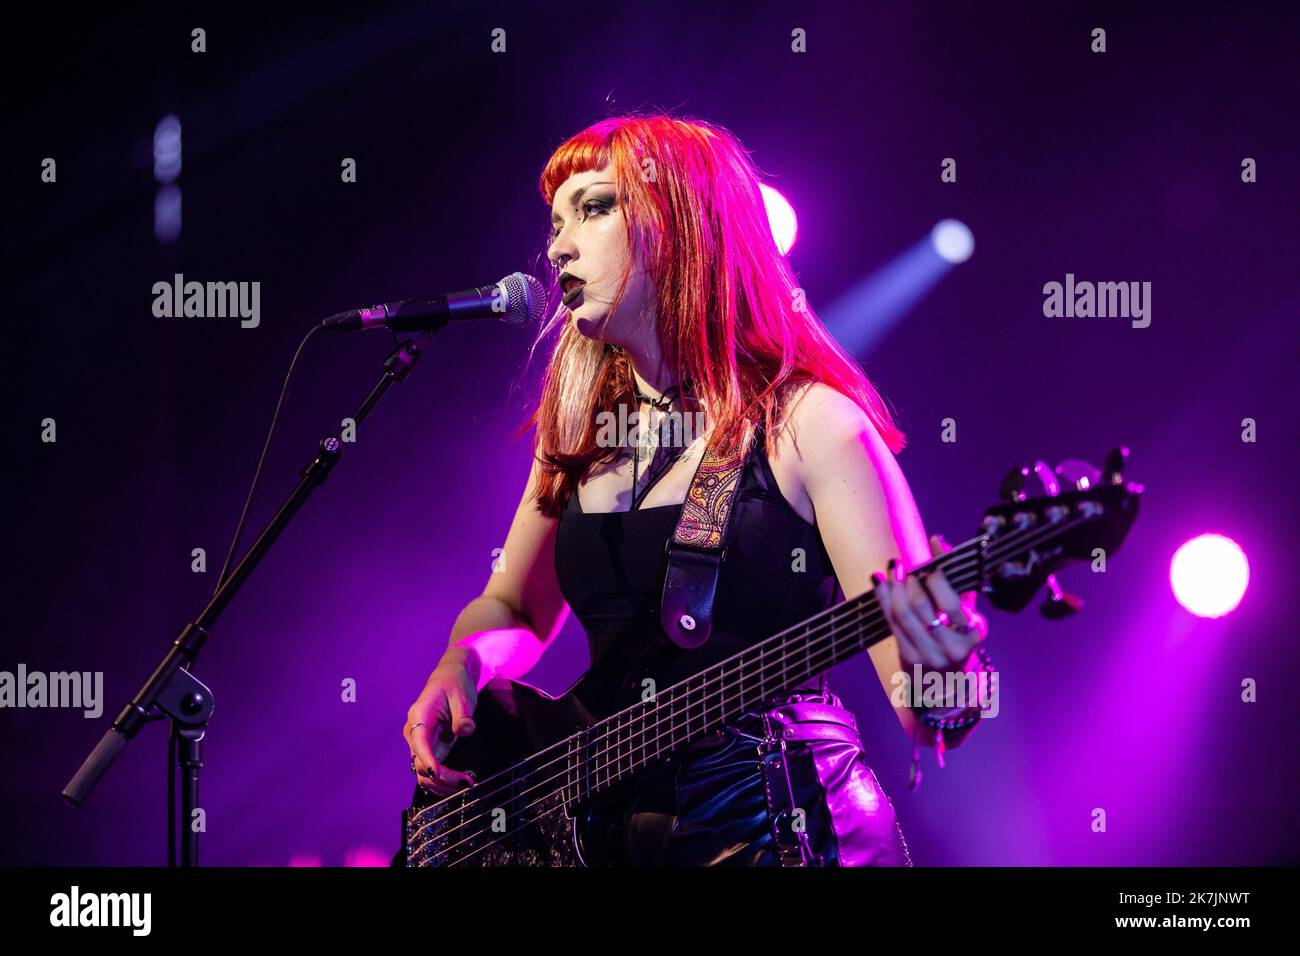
1209,575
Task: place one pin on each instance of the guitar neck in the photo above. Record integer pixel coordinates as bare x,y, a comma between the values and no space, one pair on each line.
633,738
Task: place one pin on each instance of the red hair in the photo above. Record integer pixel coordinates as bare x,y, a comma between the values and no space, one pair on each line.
730,315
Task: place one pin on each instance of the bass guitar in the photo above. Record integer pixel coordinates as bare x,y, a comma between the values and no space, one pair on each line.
548,769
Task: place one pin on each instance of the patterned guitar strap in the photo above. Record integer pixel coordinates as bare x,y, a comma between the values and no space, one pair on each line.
698,546
695,555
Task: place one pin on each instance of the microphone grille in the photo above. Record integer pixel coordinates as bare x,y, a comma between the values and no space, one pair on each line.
525,298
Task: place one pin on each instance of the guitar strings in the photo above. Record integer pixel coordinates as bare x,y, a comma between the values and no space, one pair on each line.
865,612
812,626
861,612
524,811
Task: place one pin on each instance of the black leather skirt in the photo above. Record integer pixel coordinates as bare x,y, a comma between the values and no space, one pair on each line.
715,805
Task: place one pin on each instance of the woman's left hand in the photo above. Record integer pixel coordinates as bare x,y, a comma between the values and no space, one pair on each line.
910,604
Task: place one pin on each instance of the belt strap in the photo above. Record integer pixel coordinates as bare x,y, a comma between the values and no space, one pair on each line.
811,721
792,846
796,719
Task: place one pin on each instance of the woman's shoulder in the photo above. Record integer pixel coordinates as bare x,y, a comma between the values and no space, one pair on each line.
819,413
817,426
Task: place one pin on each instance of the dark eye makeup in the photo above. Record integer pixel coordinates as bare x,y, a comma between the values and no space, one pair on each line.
596,206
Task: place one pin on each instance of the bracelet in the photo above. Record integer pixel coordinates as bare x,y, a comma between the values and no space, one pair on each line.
957,718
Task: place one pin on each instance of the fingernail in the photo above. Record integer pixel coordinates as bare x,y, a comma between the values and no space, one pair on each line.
877,578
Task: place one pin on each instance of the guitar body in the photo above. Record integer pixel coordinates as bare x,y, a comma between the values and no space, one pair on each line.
514,721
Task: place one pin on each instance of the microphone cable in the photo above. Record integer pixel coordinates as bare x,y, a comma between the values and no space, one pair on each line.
261,461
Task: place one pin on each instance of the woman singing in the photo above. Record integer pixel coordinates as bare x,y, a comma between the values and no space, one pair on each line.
677,300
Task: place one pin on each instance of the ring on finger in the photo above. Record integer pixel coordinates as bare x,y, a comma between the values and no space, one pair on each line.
941,619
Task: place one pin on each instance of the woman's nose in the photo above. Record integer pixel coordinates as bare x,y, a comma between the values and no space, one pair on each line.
562,250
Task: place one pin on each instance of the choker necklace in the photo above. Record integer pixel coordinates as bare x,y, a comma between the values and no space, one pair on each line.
664,402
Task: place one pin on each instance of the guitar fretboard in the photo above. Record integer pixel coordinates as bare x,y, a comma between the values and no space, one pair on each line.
461,828
630,740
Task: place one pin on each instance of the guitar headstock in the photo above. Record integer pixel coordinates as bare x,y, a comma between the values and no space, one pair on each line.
1082,508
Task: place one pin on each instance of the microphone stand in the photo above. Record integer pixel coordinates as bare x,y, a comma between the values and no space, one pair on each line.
172,692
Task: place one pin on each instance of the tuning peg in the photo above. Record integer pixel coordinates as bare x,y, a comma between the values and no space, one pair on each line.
1059,604
1047,478
1078,474
1013,485
1113,470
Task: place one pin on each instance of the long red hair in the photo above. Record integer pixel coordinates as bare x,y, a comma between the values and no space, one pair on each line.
729,310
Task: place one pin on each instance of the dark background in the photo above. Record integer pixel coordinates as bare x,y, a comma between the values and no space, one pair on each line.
1116,167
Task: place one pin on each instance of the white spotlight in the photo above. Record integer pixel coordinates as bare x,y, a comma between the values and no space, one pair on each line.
952,240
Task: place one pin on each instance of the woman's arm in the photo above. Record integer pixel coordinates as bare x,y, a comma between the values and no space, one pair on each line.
505,631
866,515
501,633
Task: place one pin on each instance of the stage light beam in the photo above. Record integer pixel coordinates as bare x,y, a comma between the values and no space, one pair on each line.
861,317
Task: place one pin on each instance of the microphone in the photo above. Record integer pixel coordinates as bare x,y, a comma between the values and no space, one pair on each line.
516,299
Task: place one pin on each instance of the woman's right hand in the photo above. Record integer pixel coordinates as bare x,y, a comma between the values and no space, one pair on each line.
442,713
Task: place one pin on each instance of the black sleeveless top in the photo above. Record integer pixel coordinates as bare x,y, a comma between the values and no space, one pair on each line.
610,568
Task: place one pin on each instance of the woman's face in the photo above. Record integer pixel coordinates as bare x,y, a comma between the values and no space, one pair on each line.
589,242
